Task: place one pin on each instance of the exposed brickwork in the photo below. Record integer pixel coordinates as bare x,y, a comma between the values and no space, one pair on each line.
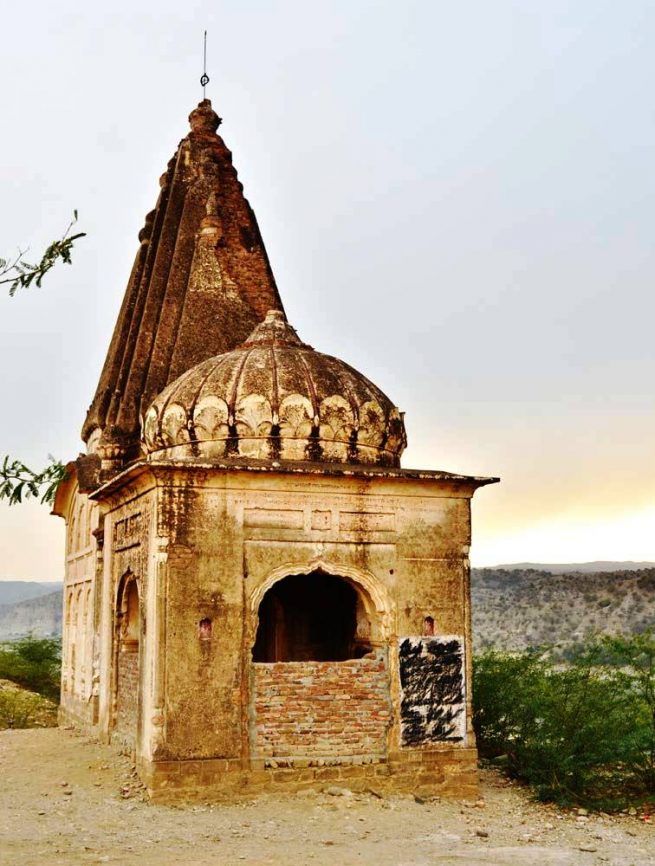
327,711
128,690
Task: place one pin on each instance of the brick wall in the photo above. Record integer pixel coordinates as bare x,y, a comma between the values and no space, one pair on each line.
128,689
321,710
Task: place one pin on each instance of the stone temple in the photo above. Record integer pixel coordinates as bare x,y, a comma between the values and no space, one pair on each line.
257,595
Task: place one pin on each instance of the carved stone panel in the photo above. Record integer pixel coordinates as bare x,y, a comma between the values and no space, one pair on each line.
128,531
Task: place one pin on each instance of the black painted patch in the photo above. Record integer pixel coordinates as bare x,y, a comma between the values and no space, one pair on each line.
432,708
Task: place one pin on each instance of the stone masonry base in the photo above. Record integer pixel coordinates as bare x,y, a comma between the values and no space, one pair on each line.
74,713
447,772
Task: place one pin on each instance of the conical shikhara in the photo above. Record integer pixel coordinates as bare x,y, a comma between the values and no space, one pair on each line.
256,596
200,283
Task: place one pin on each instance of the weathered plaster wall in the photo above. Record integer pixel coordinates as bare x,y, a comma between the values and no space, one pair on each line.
126,666
204,566
230,535
79,690
326,712
206,545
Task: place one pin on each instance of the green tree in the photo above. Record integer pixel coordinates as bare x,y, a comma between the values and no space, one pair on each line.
18,481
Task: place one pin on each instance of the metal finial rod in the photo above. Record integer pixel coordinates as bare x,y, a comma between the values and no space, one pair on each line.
204,78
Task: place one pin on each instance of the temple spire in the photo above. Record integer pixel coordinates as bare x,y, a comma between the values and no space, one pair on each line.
200,283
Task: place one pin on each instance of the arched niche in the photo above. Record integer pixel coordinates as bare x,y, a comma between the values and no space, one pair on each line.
72,538
80,640
127,659
128,617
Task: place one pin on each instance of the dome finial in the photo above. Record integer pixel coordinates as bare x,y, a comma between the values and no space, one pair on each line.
274,330
204,119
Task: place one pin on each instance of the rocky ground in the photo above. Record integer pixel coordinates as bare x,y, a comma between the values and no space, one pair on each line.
66,800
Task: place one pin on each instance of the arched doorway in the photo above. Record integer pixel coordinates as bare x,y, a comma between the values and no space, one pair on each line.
128,634
311,617
320,673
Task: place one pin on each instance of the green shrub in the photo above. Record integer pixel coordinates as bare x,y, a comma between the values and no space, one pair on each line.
34,663
634,657
19,709
581,732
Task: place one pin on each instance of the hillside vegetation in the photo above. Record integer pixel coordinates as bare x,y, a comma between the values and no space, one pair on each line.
575,567
33,663
30,671
516,609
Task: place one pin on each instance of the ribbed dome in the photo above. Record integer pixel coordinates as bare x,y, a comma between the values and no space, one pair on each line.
275,398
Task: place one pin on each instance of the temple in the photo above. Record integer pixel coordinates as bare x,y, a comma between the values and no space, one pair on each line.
257,595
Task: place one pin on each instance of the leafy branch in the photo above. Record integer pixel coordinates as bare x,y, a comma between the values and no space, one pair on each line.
20,274
18,482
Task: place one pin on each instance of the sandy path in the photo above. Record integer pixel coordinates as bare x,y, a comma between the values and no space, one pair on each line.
62,802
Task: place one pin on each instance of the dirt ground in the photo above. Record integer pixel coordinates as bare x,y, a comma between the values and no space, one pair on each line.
66,800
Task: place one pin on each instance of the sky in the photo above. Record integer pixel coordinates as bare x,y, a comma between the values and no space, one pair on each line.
457,199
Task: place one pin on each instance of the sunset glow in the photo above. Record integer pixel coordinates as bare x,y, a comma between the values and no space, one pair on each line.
474,235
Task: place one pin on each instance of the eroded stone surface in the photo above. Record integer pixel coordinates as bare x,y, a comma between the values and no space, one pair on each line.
275,398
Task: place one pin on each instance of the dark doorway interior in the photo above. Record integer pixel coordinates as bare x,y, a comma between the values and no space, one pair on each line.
308,617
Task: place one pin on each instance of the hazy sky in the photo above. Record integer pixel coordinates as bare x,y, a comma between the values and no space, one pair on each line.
457,198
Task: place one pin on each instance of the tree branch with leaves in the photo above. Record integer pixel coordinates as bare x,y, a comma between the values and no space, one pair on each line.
19,274
19,482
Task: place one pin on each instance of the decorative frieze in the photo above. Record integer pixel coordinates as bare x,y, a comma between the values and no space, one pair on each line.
127,532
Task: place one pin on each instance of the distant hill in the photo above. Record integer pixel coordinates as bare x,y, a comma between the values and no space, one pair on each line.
40,616
515,609
19,590
574,567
